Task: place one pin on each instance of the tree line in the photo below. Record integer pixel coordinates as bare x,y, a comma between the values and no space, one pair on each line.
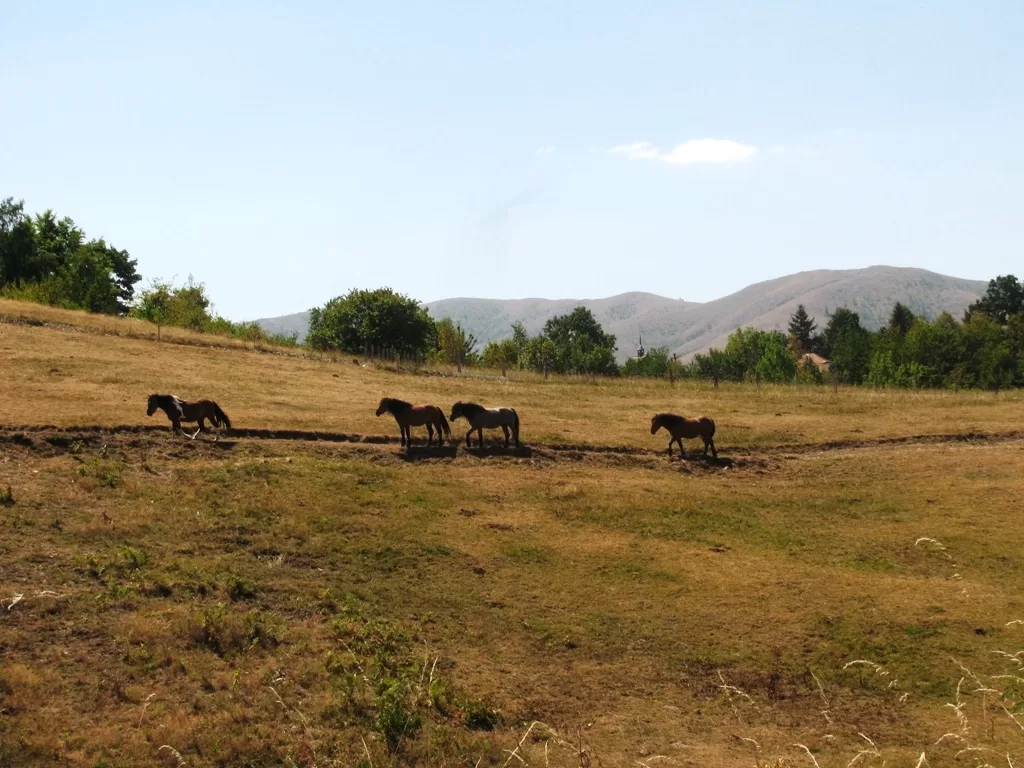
984,349
49,260
364,320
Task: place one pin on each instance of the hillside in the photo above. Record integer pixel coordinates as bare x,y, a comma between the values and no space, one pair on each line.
688,327
305,592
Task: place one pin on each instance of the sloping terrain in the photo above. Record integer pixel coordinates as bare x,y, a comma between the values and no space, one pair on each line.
303,592
688,327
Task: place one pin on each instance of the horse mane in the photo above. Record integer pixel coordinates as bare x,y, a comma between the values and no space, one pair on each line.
169,403
470,409
393,405
667,418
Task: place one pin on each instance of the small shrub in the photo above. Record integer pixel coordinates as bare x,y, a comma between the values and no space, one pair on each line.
6,496
240,589
396,717
479,716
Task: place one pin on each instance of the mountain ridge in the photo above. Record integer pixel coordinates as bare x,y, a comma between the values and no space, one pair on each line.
687,327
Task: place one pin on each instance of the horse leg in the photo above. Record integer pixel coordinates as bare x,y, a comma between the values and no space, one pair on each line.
714,452
468,443
481,433
670,441
430,433
504,428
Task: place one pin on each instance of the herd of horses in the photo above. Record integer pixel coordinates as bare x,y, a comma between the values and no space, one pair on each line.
408,415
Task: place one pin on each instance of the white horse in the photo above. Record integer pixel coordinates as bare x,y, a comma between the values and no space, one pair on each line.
481,418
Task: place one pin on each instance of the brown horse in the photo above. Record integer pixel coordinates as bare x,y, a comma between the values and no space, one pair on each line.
680,428
481,418
178,410
409,415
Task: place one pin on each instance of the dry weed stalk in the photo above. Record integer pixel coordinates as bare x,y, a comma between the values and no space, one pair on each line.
176,753
732,690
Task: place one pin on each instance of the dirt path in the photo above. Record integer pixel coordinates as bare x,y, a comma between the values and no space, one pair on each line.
53,440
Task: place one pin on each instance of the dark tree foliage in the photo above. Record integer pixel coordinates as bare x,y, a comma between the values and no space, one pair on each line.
901,319
380,318
802,328
49,260
1003,299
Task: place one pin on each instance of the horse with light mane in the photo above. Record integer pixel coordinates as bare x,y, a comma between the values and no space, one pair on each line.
409,415
680,428
481,418
179,410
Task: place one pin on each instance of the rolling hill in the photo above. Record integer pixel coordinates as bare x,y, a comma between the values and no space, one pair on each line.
689,327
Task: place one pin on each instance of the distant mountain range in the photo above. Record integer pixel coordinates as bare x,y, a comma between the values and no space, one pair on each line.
687,327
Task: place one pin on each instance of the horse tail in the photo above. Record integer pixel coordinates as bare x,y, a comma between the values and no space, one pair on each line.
711,432
515,423
444,422
221,416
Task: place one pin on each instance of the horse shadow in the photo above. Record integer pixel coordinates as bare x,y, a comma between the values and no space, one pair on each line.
720,462
418,452
497,449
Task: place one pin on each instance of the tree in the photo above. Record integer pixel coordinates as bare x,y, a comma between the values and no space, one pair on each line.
1003,298
715,365
655,363
501,354
801,329
901,319
380,318
454,345
849,346
580,343
520,339
17,242
185,306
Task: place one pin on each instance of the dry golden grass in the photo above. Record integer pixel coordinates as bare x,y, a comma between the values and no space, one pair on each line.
267,602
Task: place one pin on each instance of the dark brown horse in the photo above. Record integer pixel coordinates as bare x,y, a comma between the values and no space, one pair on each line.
409,415
681,428
481,418
178,410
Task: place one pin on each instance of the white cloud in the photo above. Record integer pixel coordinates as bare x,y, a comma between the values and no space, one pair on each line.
689,152
710,151
546,150
640,150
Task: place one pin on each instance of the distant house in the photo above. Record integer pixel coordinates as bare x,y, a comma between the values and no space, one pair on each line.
820,362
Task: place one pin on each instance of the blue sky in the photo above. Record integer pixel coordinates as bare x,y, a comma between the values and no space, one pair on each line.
283,155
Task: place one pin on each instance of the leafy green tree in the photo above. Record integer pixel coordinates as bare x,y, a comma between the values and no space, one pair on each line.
1003,298
501,354
541,355
520,339
901,319
715,365
17,242
379,318
776,362
654,364
454,345
580,343
185,306
801,330
849,346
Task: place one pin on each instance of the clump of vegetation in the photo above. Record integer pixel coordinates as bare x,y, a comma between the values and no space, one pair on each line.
227,632
188,306
6,496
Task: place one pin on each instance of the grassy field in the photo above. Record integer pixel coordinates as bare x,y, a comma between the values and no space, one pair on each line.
845,584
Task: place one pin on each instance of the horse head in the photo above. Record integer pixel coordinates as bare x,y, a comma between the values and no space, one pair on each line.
655,424
456,411
154,403
383,406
